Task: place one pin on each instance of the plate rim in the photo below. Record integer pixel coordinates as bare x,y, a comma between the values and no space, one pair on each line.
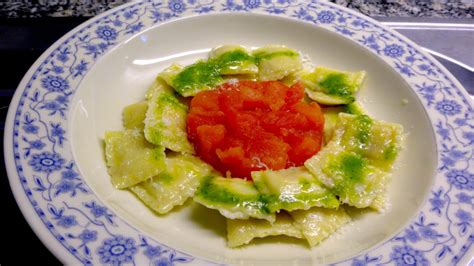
20,197
27,209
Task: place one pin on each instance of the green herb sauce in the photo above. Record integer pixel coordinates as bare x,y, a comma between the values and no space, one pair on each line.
222,195
233,58
336,85
165,177
208,74
351,167
264,55
196,77
390,153
363,125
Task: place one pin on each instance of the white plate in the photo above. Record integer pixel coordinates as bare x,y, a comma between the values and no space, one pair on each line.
77,89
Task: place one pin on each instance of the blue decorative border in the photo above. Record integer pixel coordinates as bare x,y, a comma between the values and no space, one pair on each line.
441,233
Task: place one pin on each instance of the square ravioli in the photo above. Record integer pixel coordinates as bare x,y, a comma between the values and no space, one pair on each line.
348,175
241,232
130,158
165,123
292,189
174,185
317,224
234,198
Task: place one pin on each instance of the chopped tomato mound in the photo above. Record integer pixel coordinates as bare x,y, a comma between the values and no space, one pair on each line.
249,126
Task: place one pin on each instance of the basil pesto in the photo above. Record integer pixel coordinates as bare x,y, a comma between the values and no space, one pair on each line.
234,198
232,60
195,77
332,87
337,85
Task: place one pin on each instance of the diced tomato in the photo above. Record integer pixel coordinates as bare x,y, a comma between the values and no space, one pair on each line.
207,100
295,94
269,151
210,136
275,94
312,111
249,126
304,148
233,159
232,156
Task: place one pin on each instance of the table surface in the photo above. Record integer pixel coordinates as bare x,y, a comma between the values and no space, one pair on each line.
385,8
22,41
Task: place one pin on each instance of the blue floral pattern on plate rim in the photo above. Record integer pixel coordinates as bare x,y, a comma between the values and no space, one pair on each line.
40,162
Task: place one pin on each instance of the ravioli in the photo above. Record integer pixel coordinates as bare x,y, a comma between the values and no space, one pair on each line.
174,185
377,141
241,232
347,175
133,116
292,189
165,123
351,155
234,198
205,75
317,224
234,60
332,87
380,201
168,75
355,164
276,62
130,158
159,85
331,117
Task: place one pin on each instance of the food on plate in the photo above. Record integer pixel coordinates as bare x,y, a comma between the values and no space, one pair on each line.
277,147
234,198
241,232
332,87
178,181
130,158
291,189
249,126
317,224
165,120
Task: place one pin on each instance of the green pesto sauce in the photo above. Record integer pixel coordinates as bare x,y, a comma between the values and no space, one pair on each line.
155,136
264,55
353,108
305,184
303,198
351,167
232,58
325,199
170,99
221,195
165,177
336,85
265,202
390,153
207,74
159,154
363,125
196,76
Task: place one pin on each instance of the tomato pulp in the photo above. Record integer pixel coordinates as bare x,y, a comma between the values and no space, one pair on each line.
248,126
